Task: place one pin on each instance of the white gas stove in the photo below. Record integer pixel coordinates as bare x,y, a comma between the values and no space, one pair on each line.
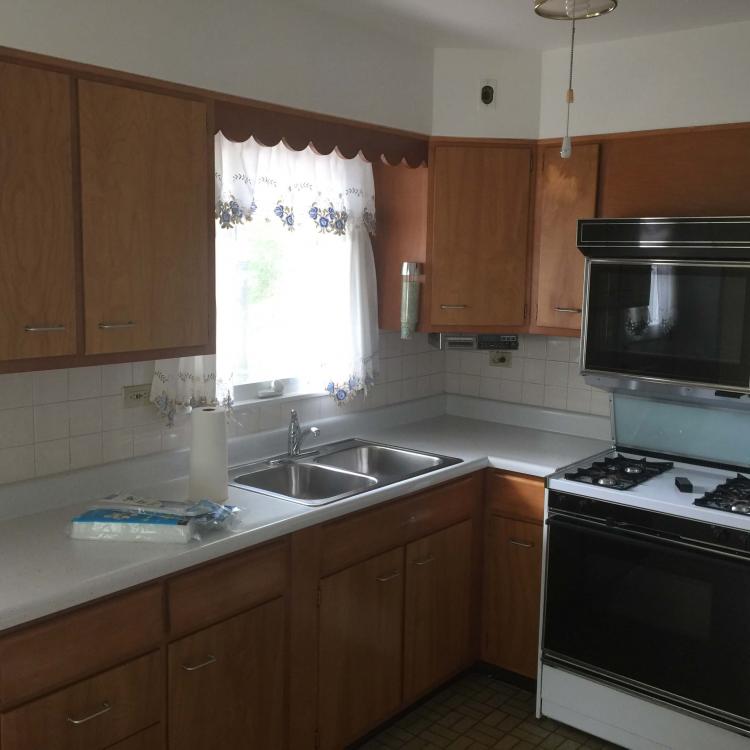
658,485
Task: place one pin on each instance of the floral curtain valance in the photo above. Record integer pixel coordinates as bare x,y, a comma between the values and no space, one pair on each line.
299,190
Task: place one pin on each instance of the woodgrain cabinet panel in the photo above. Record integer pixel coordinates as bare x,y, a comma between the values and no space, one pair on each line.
218,590
92,714
567,192
437,620
512,590
360,642
149,739
37,278
148,281
478,249
365,534
226,684
62,649
515,496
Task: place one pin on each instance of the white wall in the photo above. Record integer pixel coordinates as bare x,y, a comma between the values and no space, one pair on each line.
456,106
272,51
696,77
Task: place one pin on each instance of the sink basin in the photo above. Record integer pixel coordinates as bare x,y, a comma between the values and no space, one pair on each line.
305,483
380,461
336,471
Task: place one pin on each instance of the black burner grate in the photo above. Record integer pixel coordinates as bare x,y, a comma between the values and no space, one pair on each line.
733,496
619,472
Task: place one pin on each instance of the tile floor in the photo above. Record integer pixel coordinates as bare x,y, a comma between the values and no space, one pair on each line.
477,712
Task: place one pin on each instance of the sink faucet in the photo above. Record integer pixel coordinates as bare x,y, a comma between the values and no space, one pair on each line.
296,435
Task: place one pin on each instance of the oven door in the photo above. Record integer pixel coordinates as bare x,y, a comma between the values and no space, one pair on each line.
673,321
662,618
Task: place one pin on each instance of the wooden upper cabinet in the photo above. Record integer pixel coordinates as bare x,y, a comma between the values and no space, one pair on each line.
37,283
148,281
477,261
567,192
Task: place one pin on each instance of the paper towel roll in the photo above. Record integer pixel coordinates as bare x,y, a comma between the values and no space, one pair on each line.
208,454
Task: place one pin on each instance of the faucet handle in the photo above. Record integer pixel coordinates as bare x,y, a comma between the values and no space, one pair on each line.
314,431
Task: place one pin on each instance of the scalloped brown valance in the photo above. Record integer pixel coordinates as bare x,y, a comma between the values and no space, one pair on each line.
269,125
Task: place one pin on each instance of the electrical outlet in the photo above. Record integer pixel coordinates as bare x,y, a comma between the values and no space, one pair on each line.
487,94
501,359
135,395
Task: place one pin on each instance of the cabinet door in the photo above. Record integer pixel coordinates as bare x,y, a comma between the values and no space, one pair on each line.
37,271
144,168
513,575
479,242
437,619
567,192
361,626
226,684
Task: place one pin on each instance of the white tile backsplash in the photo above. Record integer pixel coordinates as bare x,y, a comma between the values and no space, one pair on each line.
65,419
544,371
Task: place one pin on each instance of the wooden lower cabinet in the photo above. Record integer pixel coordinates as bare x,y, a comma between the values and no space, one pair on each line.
92,714
437,619
512,591
360,648
227,683
149,739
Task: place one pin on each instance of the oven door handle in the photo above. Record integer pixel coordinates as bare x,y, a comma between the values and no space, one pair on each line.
624,531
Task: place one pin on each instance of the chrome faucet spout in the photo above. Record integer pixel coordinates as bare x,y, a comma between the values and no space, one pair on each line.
296,434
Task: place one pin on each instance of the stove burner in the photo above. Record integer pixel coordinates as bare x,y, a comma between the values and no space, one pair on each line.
619,472
607,481
733,496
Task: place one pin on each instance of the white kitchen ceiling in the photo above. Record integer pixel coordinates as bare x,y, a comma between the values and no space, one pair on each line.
513,23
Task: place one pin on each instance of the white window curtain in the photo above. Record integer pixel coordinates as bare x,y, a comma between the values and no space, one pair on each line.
179,384
295,275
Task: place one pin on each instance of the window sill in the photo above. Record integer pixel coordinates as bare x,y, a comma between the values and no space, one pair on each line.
285,397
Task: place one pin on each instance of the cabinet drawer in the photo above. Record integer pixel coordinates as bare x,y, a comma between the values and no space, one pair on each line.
219,590
515,496
91,714
65,648
370,532
149,739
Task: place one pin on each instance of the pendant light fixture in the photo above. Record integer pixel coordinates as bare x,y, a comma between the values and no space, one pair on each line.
572,10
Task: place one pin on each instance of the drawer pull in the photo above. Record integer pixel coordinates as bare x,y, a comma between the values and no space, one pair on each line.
519,543
453,307
389,577
103,710
110,325
576,310
43,329
426,561
195,667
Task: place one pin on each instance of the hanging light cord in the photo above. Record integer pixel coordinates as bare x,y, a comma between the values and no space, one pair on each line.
570,77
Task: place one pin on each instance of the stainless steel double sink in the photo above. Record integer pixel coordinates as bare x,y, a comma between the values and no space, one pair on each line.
336,471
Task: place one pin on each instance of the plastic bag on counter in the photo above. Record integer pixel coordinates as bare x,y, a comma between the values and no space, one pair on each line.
136,519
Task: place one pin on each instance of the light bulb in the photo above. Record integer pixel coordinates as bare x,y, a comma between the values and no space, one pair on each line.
570,8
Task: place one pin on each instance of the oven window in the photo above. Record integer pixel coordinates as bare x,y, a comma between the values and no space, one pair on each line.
681,322
658,614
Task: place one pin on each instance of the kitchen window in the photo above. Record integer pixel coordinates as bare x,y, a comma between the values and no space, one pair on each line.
296,295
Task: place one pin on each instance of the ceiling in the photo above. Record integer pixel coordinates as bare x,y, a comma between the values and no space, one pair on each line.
513,23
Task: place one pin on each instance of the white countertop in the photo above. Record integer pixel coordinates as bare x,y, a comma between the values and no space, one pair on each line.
43,571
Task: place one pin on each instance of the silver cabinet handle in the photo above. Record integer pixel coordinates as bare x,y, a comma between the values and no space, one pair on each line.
389,577
426,561
43,329
103,710
519,543
453,307
577,310
107,325
195,667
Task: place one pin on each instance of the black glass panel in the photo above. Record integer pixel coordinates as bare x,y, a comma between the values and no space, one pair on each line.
659,614
681,322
